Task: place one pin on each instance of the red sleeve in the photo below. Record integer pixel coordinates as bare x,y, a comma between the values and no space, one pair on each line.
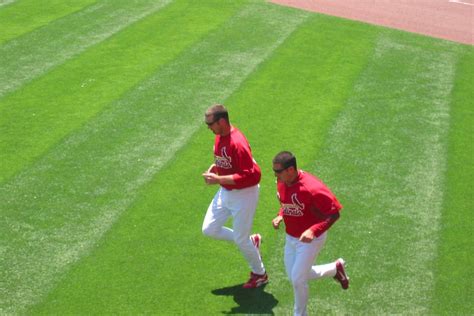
248,173
325,204
319,228
328,207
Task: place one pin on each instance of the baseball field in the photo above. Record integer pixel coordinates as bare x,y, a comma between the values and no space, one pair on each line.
103,143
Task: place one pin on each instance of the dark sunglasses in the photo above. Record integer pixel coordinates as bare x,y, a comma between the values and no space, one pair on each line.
210,123
279,170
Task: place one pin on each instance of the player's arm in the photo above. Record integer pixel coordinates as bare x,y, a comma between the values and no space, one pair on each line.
277,221
326,207
245,165
318,229
213,178
212,169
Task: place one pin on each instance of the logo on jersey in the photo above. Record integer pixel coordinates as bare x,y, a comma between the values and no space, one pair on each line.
293,209
223,161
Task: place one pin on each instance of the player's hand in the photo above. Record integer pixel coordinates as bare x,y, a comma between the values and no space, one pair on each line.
210,178
276,221
307,236
212,169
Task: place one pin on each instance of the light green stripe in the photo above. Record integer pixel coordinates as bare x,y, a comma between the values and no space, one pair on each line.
385,157
27,15
5,2
56,210
27,57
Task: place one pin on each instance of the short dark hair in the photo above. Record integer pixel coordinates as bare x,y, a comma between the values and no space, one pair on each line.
286,159
218,111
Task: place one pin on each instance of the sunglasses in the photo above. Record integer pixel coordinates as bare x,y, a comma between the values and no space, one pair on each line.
210,123
279,170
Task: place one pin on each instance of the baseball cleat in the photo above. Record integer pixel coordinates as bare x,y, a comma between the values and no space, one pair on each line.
256,280
256,240
341,275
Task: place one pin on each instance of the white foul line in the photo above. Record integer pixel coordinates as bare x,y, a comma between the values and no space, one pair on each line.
460,2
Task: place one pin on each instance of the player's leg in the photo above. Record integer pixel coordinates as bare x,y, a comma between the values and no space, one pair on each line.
323,270
334,269
216,216
289,254
305,255
243,205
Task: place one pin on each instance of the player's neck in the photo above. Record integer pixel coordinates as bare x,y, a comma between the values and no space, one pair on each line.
226,130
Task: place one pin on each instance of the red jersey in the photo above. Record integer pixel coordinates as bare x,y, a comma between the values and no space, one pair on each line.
307,203
232,155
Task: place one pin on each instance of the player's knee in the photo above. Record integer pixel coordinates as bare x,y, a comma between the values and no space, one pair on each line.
298,280
209,231
206,230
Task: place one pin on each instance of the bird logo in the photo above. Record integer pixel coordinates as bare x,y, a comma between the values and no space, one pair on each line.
293,209
223,161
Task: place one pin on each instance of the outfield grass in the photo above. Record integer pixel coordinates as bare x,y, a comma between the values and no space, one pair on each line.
455,246
102,148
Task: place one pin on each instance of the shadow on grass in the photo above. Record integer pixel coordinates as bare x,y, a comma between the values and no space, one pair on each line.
250,301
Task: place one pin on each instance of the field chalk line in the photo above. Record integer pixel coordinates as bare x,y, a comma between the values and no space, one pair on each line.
461,2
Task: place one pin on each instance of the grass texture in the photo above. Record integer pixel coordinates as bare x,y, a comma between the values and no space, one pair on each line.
102,148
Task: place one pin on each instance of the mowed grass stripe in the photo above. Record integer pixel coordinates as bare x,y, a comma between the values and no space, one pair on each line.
454,283
26,15
36,117
33,54
386,157
57,209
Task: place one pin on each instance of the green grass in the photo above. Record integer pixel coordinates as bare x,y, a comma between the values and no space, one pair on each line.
30,56
103,146
93,80
25,16
455,244
386,155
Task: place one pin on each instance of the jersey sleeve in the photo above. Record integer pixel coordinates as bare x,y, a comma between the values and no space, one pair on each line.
328,207
326,204
319,228
248,172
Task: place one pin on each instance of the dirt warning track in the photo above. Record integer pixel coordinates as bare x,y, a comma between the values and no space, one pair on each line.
446,19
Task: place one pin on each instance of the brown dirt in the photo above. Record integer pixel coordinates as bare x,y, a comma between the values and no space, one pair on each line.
447,19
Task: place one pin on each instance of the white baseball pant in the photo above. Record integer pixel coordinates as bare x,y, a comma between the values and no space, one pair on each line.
241,205
299,258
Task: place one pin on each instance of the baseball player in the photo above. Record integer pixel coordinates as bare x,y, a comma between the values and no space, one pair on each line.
238,175
308,209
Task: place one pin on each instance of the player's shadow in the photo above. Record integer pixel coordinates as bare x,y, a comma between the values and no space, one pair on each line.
250,301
